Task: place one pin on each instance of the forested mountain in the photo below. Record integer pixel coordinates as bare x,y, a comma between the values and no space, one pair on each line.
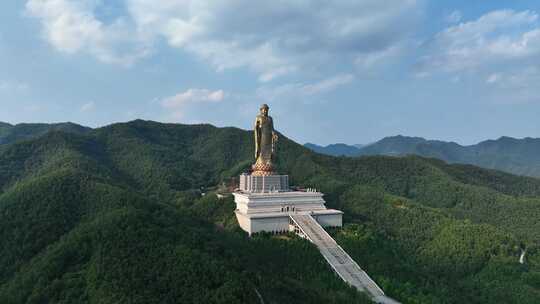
334,149
4,129
12,133
517,156
115,215
4,125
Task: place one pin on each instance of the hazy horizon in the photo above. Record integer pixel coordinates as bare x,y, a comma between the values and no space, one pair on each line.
248,129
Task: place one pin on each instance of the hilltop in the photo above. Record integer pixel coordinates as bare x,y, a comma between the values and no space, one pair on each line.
12,133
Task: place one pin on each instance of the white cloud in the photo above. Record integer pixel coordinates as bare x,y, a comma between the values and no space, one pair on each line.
500,51
304,91
277,38
493,78
327,85
514,85
385,56
227,55
71,27
498,37
271,38
87,107
516,79
176,105
192,96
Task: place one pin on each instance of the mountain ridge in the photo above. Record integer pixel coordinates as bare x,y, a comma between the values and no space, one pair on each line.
338,149
11,133
512,155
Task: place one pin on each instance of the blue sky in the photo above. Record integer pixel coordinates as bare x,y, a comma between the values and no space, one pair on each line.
343,71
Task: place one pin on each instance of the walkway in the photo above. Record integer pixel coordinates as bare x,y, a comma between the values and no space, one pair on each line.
341,262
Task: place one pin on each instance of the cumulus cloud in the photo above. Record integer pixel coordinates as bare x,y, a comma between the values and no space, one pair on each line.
503,36
177,104
71,27
192,95
381,57
304,91
493,78
87,107
519,85
500,51
271,38
516,79
275,38
326,85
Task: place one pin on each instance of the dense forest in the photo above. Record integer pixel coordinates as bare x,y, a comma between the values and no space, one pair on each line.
12,133
128,214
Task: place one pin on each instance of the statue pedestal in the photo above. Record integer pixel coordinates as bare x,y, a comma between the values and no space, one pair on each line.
262,169
265,203
264,183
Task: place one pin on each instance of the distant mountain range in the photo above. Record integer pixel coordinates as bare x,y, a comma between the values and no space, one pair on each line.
517,156
335,149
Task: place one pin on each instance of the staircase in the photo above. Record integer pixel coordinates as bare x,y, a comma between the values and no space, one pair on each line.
347,269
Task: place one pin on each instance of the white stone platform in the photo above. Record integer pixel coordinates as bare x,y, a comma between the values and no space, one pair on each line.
270,211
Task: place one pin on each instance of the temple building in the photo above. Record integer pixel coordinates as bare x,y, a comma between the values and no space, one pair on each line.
264,200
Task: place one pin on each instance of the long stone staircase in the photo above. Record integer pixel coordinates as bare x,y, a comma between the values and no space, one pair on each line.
347,269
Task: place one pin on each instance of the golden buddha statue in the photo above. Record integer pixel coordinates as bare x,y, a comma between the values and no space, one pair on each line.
265,143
